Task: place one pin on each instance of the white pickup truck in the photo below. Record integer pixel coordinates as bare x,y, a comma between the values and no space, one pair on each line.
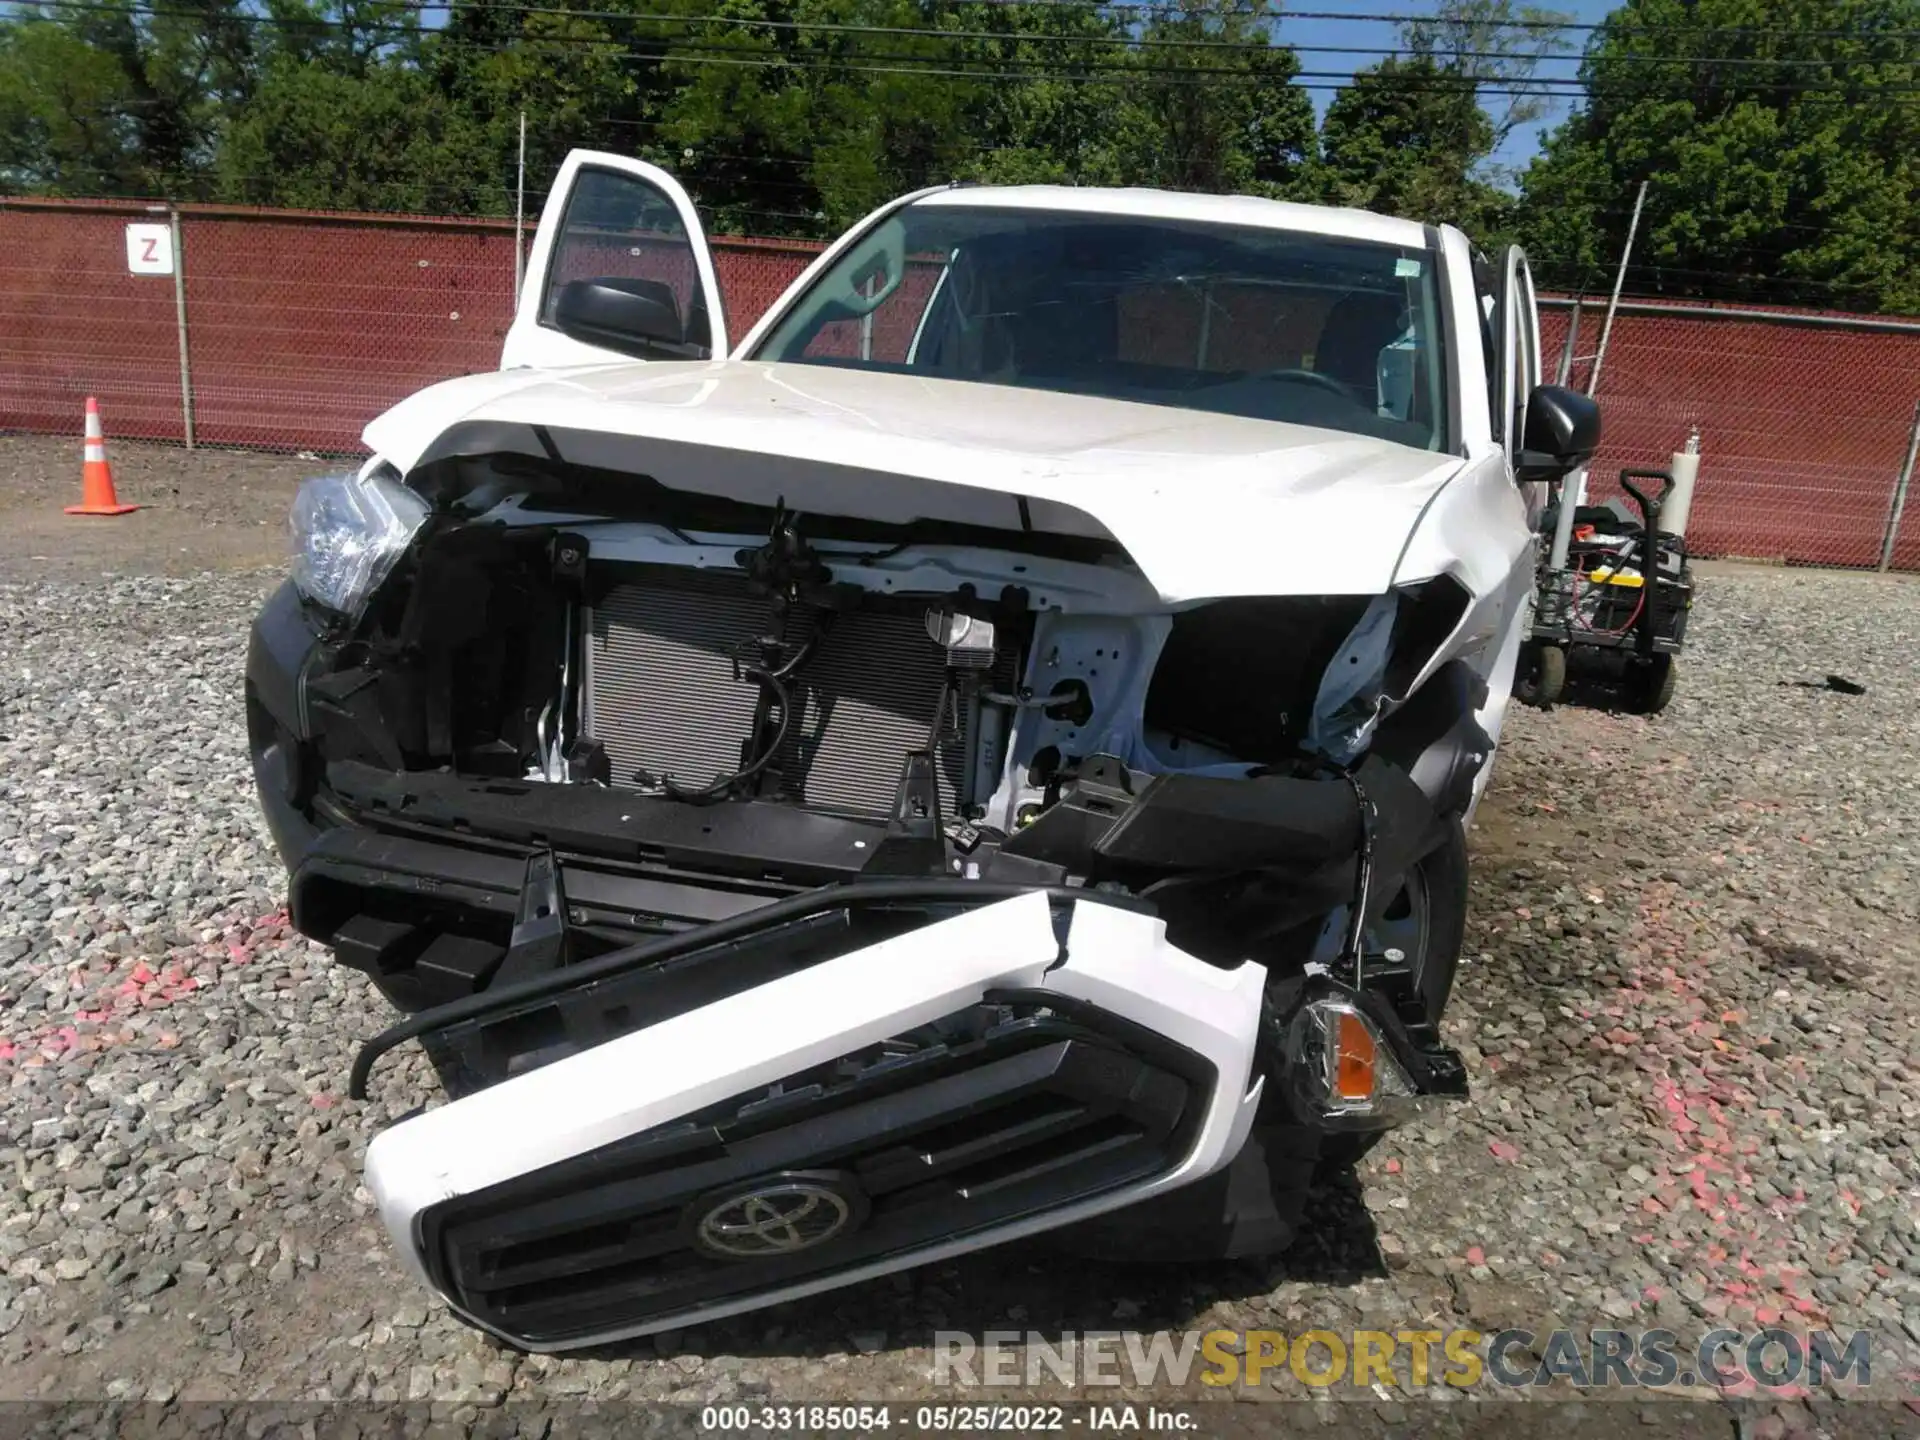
987,753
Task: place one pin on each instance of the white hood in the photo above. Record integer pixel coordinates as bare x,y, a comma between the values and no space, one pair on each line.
1207,505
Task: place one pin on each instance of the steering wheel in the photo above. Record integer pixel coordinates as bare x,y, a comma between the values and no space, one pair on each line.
1314,377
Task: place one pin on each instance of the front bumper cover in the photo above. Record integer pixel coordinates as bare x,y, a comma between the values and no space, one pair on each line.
1148,1020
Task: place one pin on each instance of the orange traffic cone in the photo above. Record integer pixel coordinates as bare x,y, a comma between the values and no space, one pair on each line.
96,476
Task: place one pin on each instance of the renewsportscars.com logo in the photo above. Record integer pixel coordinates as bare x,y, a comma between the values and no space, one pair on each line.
1408,1359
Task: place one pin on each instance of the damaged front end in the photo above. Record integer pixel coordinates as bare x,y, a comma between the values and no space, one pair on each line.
789,897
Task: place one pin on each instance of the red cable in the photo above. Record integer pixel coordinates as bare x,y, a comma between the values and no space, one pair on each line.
1642,600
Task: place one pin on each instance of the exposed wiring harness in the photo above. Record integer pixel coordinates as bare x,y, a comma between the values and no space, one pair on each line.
1353,945
1617,558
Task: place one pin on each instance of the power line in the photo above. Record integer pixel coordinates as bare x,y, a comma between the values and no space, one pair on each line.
1403,19
905,64
1320,80
1128,43
1279,14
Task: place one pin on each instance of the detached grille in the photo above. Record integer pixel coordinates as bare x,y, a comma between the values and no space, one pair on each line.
1000,1112
661,694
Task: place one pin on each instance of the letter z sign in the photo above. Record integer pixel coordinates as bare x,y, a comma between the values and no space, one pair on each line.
150,249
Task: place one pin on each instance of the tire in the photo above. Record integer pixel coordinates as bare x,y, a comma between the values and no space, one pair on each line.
1443,874
1651,685
1541,676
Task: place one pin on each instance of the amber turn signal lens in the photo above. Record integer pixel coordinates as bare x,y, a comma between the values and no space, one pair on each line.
1353,1058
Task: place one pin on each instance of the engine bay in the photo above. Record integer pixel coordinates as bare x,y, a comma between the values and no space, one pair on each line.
812,700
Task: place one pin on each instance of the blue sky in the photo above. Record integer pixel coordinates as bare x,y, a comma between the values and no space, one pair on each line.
1521,146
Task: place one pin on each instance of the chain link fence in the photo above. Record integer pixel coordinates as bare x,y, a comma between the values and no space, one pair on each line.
1806,421
300,327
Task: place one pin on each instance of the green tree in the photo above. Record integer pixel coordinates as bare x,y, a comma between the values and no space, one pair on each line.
804,129
62,104
1051,121
319,138
117,101
570,75
808,129
1501,45
800,118
1778,141
1176,122
1405,138
1415,134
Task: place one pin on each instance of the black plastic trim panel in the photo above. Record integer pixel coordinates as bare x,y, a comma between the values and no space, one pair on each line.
581,997
762,841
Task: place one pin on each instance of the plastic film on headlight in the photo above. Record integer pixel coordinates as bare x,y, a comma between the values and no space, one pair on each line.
348,530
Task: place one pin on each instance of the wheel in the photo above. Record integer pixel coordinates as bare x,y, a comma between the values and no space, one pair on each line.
1650,686
1542,674
1428,921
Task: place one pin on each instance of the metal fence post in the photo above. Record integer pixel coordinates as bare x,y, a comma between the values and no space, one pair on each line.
1619,280
520,213
1897,506
1573,490
180,321
1566,350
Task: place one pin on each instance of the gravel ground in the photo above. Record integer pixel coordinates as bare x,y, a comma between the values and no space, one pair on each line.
1689,1014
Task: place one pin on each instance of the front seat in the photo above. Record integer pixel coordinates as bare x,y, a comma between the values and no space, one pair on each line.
1357,329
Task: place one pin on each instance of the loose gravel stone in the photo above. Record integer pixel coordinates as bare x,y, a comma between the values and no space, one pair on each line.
1687,1006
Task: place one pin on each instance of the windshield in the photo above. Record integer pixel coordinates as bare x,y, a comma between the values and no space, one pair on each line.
1271,324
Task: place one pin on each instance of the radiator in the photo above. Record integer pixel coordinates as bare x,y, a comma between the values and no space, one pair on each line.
659,692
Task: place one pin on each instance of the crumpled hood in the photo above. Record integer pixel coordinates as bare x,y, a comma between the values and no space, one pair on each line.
1207,505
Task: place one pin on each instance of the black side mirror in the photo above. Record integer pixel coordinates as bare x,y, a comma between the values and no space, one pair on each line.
635,317
1561,433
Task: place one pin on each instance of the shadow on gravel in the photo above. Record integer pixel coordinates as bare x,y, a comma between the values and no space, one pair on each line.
1589,691
1791,961
1035,1286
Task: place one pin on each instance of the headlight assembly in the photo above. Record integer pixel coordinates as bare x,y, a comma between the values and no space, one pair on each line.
347,533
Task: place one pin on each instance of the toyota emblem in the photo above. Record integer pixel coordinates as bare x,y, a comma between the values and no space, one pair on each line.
779,1218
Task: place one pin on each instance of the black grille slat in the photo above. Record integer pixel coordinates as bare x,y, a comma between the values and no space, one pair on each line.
1017,1169
581,1253
904,1165
594,1205
564,1292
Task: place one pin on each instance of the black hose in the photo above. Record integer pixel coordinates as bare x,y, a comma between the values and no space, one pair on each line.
722,784
775,682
